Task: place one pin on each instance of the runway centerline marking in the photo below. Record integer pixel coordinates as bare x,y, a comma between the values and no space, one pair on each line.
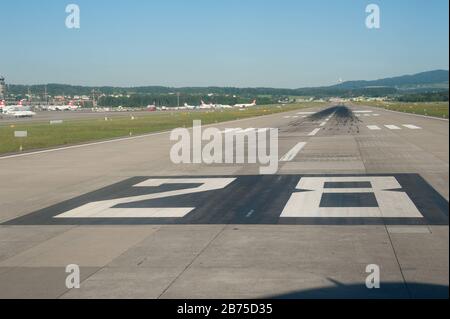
373,127
289,156
250,213
314,132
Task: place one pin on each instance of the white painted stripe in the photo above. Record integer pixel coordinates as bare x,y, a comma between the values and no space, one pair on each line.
362,111
305,113
373,127
323,123
250,213
314,132
293,152
412,127
106,208
246,130
393,127
229,130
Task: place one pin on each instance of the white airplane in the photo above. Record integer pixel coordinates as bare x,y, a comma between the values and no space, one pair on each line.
21,113
151,108
190,107
69,107
223,106
73,107
9,108
16,110
206,106
57,108
246,105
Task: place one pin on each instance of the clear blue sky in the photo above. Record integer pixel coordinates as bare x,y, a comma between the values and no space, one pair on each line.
276,43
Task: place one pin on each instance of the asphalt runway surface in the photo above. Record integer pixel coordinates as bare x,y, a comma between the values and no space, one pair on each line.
355,186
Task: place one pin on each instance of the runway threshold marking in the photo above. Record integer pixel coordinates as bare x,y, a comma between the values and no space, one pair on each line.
289,156
382,199
412,127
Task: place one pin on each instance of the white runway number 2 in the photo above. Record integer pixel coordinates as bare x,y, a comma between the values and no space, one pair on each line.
107,209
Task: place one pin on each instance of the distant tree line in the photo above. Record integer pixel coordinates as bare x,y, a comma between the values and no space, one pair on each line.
425,97
62,89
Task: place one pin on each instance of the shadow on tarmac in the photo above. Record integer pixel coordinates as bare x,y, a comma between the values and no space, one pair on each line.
394,290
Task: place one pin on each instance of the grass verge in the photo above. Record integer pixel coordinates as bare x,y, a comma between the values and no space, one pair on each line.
434,109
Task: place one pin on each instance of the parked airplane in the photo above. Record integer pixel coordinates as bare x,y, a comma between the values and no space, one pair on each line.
223,106
190,107
73,107
203,105
151,108
69,107
26,113
246,105
16,110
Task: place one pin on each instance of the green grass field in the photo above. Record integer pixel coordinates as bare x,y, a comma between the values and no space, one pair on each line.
45,135
435,109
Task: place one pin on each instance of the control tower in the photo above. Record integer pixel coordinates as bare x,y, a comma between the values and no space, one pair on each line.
2,88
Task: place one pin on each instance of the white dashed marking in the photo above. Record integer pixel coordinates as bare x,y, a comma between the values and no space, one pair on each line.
393,127
314,132
373,127
412,127
293,152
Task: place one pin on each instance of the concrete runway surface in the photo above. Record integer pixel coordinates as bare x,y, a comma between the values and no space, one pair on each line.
355,186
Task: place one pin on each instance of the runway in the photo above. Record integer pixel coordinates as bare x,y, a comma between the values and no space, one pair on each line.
355,186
